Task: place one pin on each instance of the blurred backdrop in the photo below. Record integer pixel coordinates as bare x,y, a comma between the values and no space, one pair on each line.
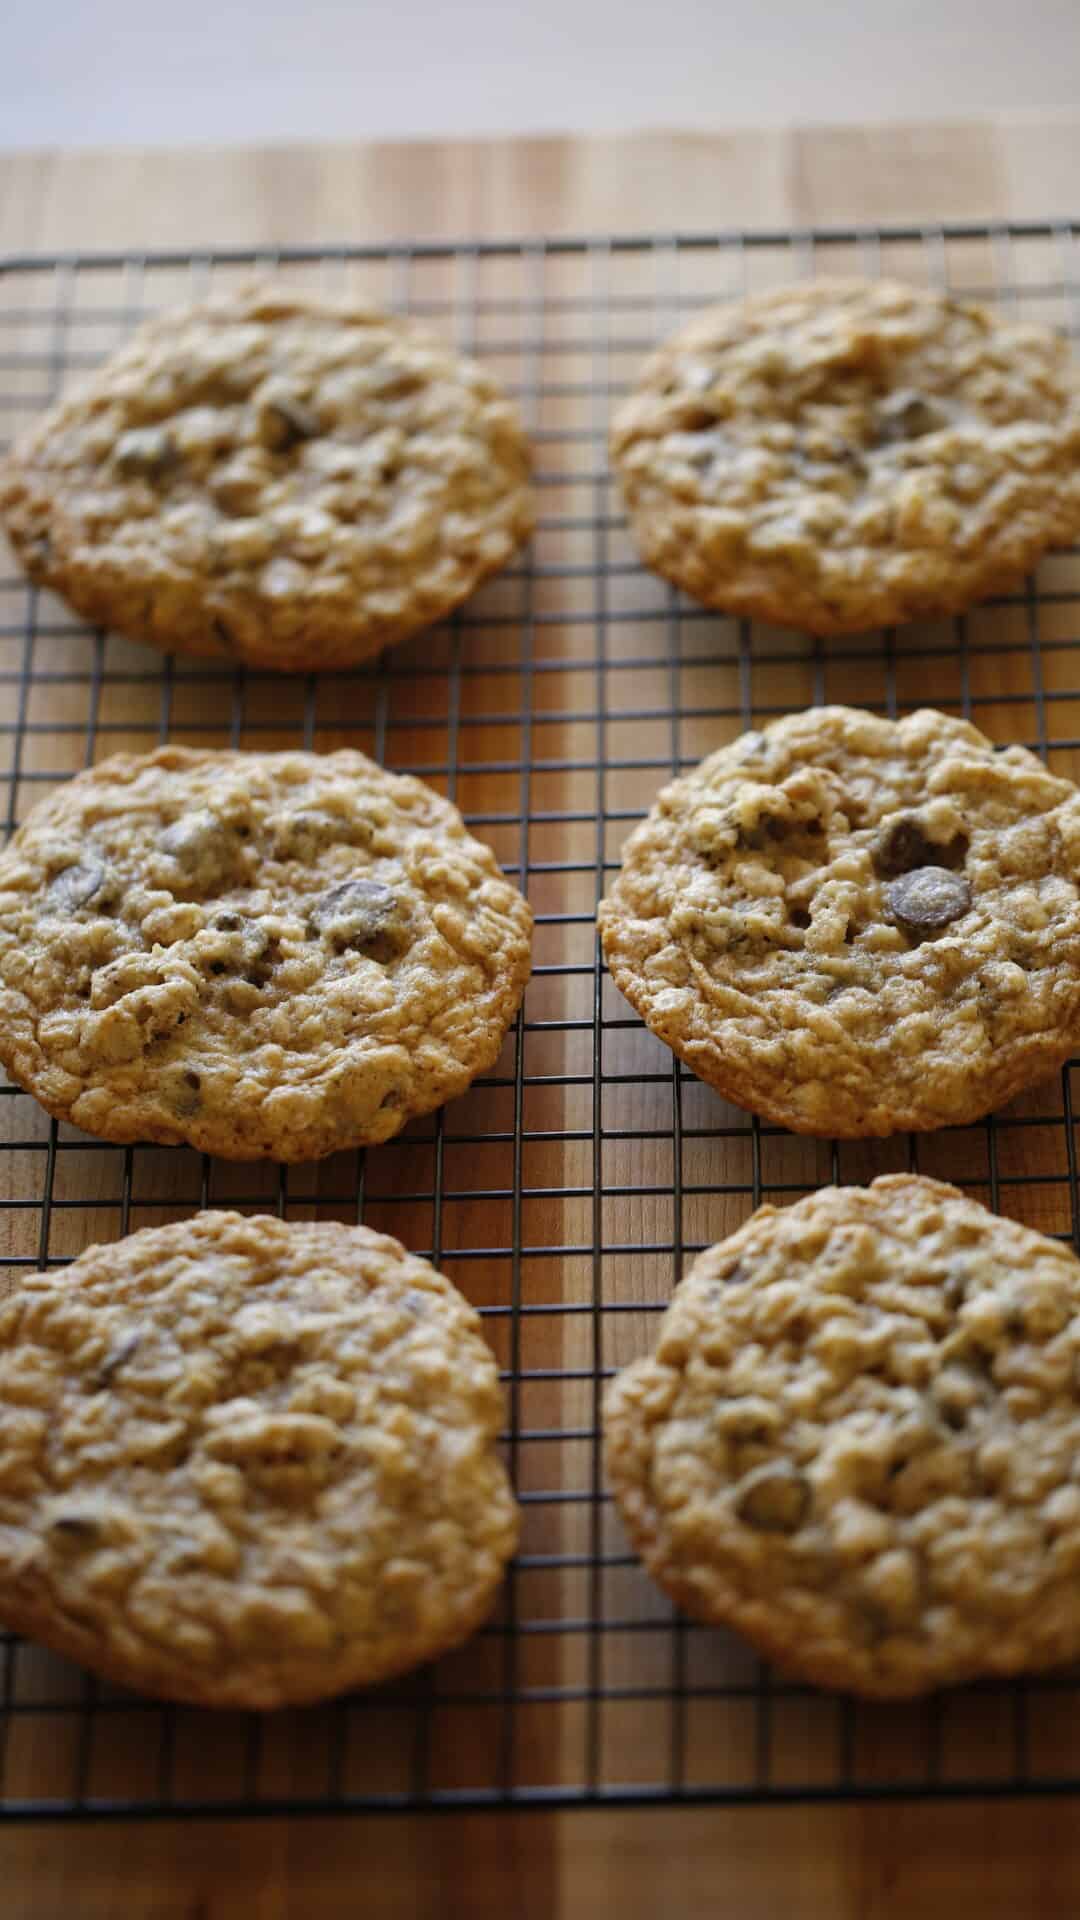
117,72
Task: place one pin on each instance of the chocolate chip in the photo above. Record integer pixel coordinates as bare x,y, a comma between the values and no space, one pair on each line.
362,914
145,453
249,952
264,957
767,827
927,900
803,838
774,826
774,1498
183,1090
696,418
904,845
283,421
78,1529
906,415
76,885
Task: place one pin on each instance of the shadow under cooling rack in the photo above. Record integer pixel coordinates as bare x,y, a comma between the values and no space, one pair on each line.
564,1193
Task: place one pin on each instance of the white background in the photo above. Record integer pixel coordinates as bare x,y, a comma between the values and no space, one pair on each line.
121,72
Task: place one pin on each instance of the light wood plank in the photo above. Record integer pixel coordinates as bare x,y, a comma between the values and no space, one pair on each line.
643,182
852,1863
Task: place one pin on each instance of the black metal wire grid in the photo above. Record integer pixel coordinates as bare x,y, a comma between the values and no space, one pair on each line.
566,1190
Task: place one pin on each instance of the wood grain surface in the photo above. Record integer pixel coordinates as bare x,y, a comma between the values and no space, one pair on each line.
861,1862
640,183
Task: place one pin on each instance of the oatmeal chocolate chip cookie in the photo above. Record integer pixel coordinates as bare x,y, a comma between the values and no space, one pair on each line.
858,1440
855,926
262,954
248,1462
842,454
275,477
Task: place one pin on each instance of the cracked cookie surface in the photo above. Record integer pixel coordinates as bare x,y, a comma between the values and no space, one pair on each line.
264,955
857,1440
844,454
854,925
275,478
248,1462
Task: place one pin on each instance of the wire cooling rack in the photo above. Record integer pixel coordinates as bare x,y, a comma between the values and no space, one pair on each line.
564,1193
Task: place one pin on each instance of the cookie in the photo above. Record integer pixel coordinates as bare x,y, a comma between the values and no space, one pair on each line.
843,454
858,1439
274,477
856,926
248,1462
261,954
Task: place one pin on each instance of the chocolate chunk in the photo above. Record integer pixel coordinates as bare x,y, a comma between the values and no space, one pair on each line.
263,959
145,453
926,901
363,904
183,1090
803,837
247,950
283,421
354,912
768,827
904,845
906,415
76,885
77,1529
364,915
773,1498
